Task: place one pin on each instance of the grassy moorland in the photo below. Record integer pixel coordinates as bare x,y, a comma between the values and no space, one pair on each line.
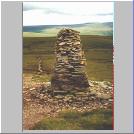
72,120
98,52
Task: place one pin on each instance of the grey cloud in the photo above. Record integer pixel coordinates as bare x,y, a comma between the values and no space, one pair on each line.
54,11
104,14
45,10
27,8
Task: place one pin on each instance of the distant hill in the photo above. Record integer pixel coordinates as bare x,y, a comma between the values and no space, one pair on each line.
105,29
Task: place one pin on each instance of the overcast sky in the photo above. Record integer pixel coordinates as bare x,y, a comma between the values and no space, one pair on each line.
59,13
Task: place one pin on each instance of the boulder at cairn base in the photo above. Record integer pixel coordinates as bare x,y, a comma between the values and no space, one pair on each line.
69,73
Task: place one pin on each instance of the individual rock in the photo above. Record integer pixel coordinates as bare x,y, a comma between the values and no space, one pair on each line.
103,96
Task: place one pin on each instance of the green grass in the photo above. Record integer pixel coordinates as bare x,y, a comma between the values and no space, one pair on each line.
41,78
72,120
98,52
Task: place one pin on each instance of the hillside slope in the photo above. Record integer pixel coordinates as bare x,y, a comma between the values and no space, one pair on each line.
105,29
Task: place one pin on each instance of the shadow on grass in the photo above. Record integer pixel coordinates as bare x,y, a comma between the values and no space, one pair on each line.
72,120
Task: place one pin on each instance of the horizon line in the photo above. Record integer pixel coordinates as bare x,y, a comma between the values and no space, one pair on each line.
68,24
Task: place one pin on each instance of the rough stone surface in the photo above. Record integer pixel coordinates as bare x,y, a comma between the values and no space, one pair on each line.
39,102
69,73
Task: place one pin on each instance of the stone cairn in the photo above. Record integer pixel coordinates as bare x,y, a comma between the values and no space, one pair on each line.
40,68
69,74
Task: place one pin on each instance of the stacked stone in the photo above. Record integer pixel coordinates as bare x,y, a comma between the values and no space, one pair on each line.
40,70
69,73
